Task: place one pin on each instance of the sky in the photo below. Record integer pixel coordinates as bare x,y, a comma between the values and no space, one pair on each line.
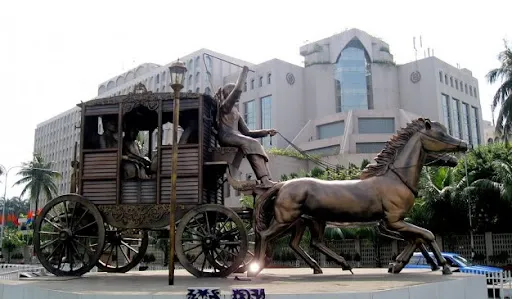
54,54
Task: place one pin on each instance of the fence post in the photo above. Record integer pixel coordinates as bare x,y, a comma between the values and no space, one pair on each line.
439,241
489,250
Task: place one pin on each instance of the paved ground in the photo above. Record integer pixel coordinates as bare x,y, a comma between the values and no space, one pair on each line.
274,281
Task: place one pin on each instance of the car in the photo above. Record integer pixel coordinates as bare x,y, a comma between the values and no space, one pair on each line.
456,262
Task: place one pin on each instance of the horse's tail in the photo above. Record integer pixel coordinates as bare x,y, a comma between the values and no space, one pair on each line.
264,205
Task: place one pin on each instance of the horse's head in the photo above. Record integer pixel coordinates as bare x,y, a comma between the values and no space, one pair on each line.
435,138
439,159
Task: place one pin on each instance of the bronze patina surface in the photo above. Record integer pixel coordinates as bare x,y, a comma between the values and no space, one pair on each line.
385,193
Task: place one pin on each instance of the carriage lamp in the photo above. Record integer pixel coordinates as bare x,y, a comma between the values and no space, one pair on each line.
177,71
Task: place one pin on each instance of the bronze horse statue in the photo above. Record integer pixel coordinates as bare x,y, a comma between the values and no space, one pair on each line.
297,231
385,193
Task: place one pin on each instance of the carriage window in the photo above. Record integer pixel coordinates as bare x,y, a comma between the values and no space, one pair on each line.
100,132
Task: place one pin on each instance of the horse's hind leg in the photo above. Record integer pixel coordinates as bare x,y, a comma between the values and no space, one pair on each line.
273,231
317,236
297,234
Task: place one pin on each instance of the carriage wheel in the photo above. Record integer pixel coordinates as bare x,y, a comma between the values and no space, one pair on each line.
202,239
69,235
124,249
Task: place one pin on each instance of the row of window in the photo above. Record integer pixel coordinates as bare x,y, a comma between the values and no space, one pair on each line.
458,85
461,119
260,82
366,125
361,148
249,114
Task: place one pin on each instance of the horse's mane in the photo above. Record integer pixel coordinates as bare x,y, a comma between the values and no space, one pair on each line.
392,149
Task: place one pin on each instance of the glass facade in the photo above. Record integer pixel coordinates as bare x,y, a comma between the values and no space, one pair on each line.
475,127
465,123
446,112
455,117
382,125
266,118
331,130
250,114
353,81
369,147
325,151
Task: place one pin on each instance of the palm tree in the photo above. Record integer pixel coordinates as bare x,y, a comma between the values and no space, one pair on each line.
503,96
501,182
38,177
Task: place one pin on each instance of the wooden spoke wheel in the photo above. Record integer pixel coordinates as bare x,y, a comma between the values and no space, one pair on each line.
124,249
69,235
211,241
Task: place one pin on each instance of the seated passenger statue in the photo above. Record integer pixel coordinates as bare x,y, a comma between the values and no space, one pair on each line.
134,163
109,138
233,130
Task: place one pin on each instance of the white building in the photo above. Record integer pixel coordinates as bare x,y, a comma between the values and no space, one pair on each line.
344,103
55,138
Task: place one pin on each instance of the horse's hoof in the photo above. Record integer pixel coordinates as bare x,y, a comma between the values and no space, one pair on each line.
395,268
447,271
318,271
435,268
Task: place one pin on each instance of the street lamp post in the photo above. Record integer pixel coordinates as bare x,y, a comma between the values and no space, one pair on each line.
3,206
177,71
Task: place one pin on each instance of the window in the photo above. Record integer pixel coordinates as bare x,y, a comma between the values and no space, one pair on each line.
196,65
158,79
445,79
471,90
457,84
207,91
353,78
252,84
466,88
455,117
331,130
190,78
269,79
261,81
198,78
440,76
475,126
475,93
446,112
245,86
198,90
465,122
325,151
266,118
376,125
369,147
163,77
451,81
250,114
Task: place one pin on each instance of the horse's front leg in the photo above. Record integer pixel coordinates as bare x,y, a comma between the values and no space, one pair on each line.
384,231
419,235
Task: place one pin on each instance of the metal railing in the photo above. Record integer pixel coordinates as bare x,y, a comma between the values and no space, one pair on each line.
499,284
12,271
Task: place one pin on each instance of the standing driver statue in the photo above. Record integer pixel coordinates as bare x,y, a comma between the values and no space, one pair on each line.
233,130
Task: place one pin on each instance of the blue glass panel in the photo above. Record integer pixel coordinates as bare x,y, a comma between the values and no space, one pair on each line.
353,78
266,118
331,130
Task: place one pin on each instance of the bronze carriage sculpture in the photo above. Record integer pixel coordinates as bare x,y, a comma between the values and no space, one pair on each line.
119,194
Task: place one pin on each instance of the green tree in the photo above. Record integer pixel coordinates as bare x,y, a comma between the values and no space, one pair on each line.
39,179
503,96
